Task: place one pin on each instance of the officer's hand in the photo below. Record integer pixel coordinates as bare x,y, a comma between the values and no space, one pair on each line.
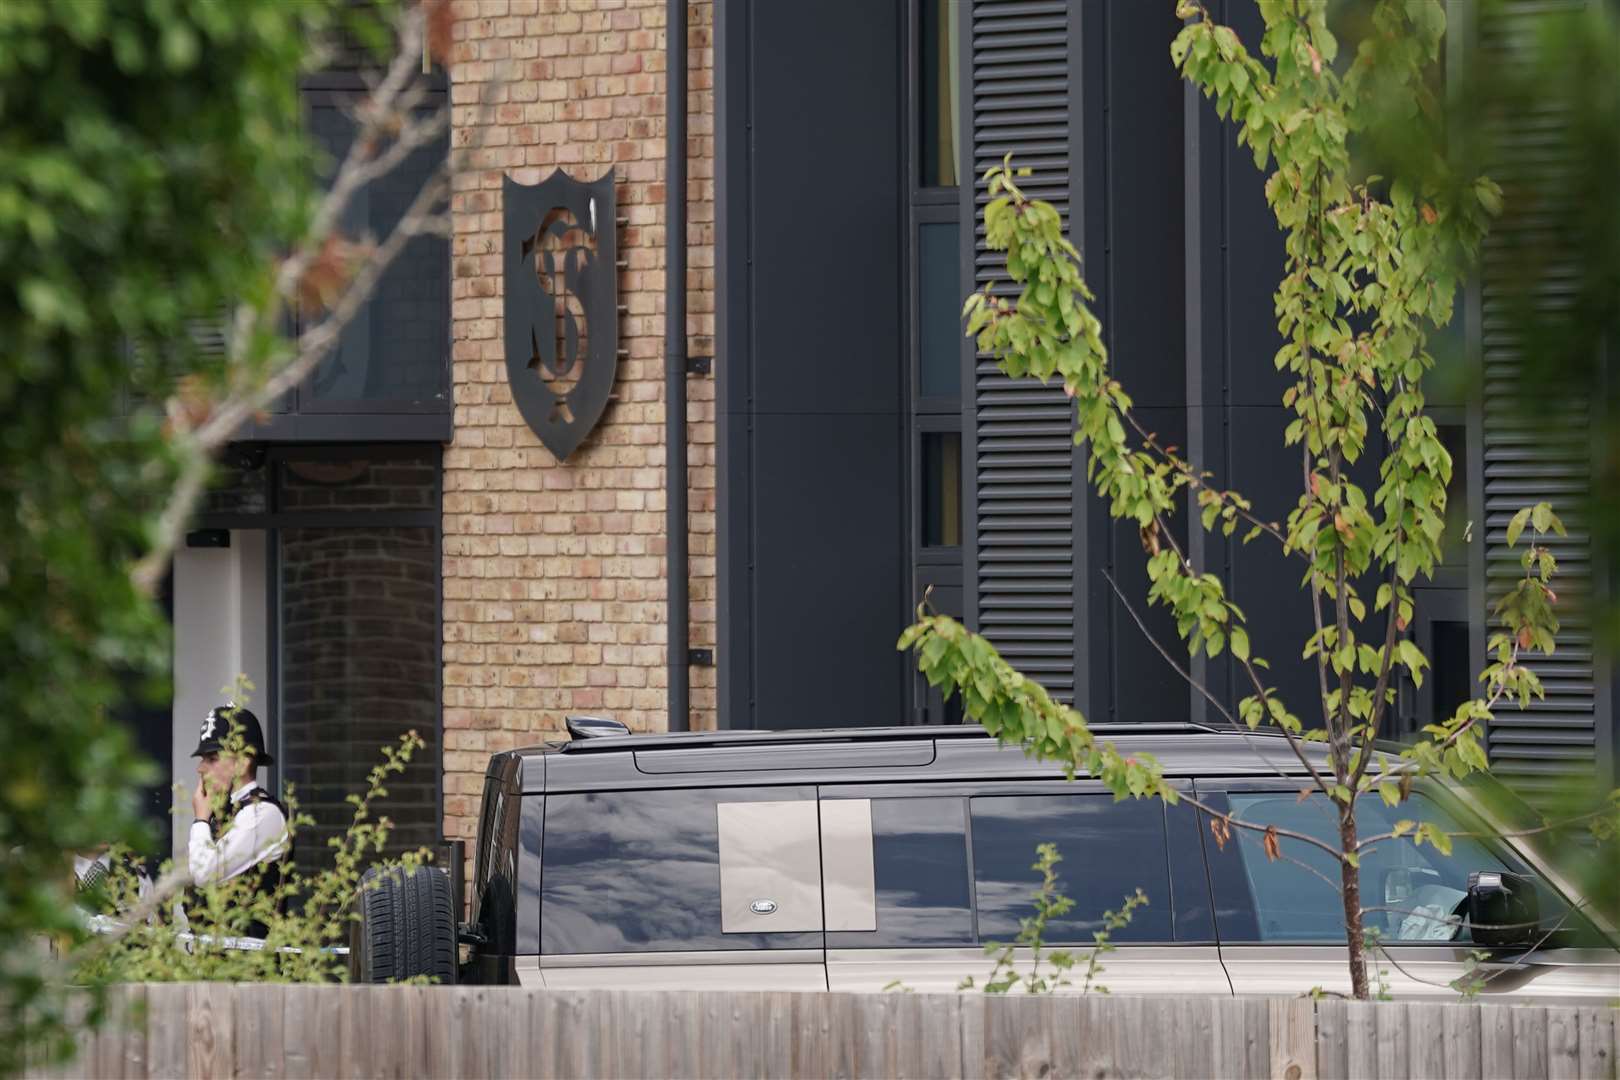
201,805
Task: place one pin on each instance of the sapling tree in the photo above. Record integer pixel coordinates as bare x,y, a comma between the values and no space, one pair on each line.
1371,267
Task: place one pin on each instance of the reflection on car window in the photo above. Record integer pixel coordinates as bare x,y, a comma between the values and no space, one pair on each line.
919,852
640,872
1109,849
1417,891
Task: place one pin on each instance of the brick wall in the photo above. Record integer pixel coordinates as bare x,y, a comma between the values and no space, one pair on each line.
554,576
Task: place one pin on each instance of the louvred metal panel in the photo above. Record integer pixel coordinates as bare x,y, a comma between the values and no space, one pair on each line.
1023,467
1527,460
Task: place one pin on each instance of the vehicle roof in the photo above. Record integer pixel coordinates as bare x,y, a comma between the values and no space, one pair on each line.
871,755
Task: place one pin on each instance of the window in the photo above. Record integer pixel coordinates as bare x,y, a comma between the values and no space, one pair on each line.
494,894
640,872
937,93
939,366
941,489
937,482
919,853
1109,850
394,354
1296,897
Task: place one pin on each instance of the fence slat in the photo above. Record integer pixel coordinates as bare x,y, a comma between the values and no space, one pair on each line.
1293,1038
296,1005
1529,1041
134,1022
1192,1036
1425,1044
258,1014
970,1011
208,1031
435,1048
1563,1044
1361,1038
1598,1038
906,1049
1332,1039
1070,1028
1496,1040
1460,1040
534,1038
1391,1033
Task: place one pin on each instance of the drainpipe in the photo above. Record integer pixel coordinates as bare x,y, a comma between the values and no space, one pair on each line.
675,479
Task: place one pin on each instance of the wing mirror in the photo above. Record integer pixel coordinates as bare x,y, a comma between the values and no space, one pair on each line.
1502,909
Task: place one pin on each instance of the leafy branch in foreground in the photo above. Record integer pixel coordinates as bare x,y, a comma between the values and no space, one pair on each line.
304,916
1370,268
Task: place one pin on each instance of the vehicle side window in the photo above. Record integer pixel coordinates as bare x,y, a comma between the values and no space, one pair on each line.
1109,850
640,872
920,869
1410,893
489,869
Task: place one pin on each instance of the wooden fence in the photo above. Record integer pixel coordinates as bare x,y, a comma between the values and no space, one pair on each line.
221,1030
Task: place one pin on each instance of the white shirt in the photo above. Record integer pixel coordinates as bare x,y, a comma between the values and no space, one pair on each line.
257,833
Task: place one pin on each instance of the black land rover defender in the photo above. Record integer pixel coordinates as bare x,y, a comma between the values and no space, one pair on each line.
848,859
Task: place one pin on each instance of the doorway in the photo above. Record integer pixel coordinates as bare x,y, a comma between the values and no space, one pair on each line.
314,574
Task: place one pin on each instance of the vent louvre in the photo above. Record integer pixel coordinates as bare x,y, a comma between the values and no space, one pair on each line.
1023,467
1537,748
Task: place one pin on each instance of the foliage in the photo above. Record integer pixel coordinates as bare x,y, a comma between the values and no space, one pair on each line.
304,916
1553,70
1371,267
1051,904
151,169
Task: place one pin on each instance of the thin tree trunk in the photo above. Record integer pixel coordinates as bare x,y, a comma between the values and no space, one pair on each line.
1350,878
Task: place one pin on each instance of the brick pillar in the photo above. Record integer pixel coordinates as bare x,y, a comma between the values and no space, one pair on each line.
554,574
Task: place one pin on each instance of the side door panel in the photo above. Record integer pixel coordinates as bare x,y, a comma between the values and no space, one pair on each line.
693,888
896,878
1281,920
952,871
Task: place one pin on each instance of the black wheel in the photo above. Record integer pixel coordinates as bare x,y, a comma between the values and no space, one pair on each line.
407,926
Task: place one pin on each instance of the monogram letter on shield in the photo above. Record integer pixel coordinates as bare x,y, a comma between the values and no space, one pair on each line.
562,306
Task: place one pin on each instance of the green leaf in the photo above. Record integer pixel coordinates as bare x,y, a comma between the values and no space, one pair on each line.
1516,526
1240,643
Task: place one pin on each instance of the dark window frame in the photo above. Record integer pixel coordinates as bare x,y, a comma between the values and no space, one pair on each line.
941,568
1075,865
1189,886
331,89
870,939
273,519
556,868
1214,792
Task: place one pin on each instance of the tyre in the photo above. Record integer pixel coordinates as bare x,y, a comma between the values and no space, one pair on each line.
407,926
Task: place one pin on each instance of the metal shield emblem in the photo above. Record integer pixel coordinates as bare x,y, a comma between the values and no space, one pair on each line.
562,307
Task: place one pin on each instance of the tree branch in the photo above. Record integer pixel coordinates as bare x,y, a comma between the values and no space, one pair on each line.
384,117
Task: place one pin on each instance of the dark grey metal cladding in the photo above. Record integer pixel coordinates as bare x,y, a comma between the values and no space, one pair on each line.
531,312
1528,460
811,507
1020,562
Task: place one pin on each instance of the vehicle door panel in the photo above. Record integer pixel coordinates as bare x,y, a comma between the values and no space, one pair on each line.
1281,920
943,890
694,888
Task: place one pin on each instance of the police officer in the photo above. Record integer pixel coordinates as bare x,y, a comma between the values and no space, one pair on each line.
250,832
